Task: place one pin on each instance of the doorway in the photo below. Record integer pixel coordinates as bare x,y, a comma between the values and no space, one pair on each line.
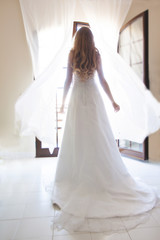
40,150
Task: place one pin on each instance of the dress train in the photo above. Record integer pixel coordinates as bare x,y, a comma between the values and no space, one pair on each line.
92,187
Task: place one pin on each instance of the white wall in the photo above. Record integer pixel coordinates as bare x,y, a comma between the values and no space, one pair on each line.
153,6
15,76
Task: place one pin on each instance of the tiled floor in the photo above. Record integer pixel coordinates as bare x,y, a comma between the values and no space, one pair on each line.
26,212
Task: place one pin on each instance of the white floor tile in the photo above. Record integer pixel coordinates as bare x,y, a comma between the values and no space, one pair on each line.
80,236
115,236
34,228
38,187
8,229
39,210
43,238
145,233
144,221
16,188
156,215
39,197
11,212
23,197
13,198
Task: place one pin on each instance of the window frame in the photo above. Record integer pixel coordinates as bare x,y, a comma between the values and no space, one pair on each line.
124,151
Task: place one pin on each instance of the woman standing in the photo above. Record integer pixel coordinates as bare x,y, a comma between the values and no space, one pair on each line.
92,185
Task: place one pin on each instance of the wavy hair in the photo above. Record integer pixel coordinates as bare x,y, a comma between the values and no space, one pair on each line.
85,54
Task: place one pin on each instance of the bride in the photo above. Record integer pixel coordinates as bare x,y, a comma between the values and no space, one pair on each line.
92,187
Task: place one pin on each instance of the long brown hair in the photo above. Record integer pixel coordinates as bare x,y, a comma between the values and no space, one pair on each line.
85,54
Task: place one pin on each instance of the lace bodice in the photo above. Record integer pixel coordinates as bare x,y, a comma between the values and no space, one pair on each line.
79,79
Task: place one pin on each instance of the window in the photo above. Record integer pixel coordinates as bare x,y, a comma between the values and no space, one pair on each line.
133,47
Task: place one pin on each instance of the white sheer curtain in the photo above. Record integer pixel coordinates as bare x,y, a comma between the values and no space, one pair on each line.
140,111
48,25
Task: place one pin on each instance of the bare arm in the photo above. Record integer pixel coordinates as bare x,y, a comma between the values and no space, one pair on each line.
67,81
105,85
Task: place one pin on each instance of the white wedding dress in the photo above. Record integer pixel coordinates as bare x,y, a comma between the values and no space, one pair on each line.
92,185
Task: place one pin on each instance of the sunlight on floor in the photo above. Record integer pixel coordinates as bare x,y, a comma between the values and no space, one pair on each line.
26,212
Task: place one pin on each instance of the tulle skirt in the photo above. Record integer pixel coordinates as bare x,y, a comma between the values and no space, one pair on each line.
92,187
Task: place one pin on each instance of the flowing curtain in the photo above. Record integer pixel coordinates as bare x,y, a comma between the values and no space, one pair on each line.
48,25
140,111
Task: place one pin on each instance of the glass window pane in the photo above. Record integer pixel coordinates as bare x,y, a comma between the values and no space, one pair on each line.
137,52
125,37
137,29
131,49
125,53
